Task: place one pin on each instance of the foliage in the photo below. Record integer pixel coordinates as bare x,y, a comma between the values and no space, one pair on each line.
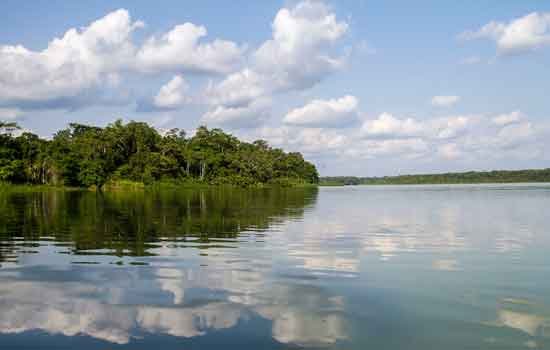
471,177
83,155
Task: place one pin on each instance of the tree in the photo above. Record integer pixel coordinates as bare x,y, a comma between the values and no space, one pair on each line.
84,155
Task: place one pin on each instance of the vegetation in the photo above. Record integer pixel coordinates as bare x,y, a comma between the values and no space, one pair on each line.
471,177
84,156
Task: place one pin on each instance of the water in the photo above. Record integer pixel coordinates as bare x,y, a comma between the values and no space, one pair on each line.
390,267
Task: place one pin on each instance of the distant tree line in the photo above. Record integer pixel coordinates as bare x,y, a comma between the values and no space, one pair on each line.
83,155
471,177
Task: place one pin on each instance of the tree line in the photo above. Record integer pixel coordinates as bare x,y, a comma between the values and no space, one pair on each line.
83,156
470,177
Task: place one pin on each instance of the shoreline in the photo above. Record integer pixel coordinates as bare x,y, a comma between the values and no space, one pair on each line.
163,185
438,183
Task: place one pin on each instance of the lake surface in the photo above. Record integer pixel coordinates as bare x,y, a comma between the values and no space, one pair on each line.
385,267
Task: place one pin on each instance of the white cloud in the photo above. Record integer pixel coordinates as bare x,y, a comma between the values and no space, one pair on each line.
513,135
325,113
80,60
462,137
450,127
445,101
180,50
310,141
318,141
387,126
296,58
81,65
410,148
10,114
508,118
449,151
238,116
238,89
529,32
173,94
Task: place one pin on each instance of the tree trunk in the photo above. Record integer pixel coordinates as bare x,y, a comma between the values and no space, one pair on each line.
203,169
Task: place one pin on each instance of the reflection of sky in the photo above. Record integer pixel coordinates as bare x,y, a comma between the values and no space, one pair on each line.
525,317
116,304
312,279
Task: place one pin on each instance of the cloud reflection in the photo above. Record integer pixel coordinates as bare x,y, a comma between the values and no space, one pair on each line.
523,316
305,317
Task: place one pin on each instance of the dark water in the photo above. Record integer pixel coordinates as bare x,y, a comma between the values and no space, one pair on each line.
420,267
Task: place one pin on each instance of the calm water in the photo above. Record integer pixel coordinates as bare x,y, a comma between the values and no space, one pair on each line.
419,267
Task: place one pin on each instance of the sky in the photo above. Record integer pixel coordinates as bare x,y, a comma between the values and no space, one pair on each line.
366,88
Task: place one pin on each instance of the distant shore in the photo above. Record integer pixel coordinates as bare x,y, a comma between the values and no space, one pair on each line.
470,177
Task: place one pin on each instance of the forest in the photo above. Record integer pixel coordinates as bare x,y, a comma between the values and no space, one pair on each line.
470,177
90,156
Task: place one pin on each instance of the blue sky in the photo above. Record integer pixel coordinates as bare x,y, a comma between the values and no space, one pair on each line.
361,88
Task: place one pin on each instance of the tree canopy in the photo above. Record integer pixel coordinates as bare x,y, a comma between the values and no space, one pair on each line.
84,155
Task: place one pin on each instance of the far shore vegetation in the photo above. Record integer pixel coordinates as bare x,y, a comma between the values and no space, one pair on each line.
134,155
470,177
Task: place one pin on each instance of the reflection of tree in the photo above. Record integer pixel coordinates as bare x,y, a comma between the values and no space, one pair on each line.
129,223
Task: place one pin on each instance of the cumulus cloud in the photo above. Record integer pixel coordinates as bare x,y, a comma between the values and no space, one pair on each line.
451,138
173,94
238,89
527,33
180,49
445,101
87,65
325,113
239,116
408,148
450,127
80,60
514,135
79,67
508,118
310,141
298,56
449,151
387,126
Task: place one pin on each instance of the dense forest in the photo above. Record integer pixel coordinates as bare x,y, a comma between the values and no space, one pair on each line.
471,177
85,156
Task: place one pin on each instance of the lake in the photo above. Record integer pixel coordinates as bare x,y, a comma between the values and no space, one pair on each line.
380,267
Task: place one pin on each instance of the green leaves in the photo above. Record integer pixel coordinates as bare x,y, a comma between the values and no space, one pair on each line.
84,155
